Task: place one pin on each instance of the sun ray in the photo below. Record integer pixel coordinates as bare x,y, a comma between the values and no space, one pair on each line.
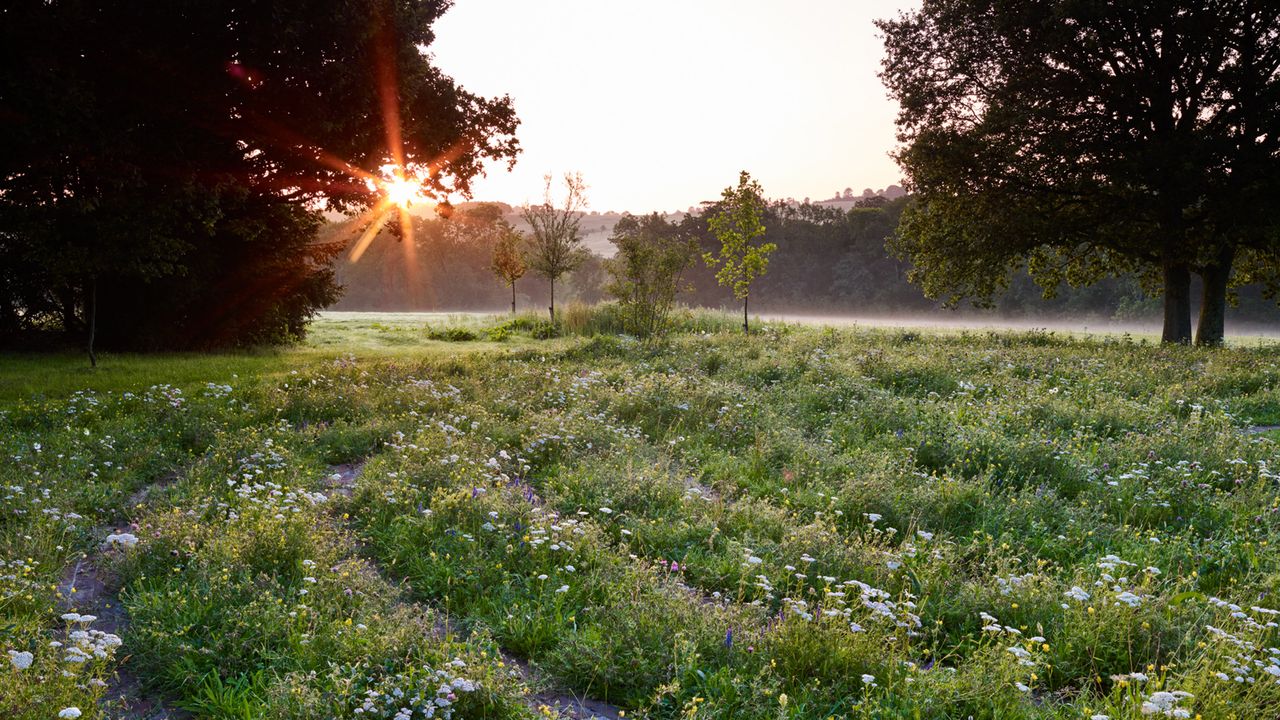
300,145
402,182
410,251
380,216
388,86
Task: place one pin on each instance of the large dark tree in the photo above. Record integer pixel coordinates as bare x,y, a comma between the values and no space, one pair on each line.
1090,137
164,165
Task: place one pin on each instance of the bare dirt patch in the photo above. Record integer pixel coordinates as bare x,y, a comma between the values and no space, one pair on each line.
89,589
342,478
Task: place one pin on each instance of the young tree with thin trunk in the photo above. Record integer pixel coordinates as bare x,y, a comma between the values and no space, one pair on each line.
738,223
508,261
555,243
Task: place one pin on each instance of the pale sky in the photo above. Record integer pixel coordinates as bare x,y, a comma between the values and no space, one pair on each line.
660,104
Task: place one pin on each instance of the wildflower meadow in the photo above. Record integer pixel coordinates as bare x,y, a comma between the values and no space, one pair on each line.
799,523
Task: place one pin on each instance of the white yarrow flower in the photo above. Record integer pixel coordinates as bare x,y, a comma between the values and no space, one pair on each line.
124,540
21,660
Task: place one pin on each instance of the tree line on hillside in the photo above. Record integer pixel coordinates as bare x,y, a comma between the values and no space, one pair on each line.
827,261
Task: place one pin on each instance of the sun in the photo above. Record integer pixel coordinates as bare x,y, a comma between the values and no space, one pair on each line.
402,191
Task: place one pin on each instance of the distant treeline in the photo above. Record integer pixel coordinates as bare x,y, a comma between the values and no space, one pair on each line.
828,260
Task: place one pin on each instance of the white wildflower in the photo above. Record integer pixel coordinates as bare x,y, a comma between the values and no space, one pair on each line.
1077,593
124,540
21,660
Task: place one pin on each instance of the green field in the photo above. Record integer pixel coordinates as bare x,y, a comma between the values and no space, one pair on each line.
452,518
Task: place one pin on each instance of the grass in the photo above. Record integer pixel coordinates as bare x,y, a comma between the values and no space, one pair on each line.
332,335
804,523
383,335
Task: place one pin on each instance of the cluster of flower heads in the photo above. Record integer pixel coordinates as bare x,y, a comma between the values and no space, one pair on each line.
81,651
418,695
435,391
19,580
258,464
1165,702
1246,661
216,391
165,394
873,606
34,502
84,643
275,499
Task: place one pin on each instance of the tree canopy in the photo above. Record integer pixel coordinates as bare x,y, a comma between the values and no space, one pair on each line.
738,223
172,160
648,270
508,259
555,240
1090,138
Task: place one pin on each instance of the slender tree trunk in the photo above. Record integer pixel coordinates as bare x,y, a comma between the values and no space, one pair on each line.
513,297
1212,326
93,321
553,303
745,328
1177,303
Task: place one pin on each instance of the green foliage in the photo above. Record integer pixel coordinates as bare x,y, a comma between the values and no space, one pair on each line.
508,260
1019,148
453,334
648,270
165,174
738,223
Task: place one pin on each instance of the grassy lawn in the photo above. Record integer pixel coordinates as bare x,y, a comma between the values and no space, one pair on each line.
448,517
56,375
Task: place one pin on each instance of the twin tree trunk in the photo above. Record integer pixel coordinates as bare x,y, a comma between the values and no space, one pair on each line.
1211,329
1211,326
513,297
745,329
553,303
1177,303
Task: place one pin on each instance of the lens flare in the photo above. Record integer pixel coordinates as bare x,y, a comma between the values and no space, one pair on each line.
403,192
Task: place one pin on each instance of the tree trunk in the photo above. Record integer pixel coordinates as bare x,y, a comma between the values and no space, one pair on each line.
513,297
553,303
1212,326
745,328
93,321
1177,303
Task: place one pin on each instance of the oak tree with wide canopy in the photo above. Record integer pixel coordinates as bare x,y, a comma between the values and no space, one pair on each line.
1091,137
165,165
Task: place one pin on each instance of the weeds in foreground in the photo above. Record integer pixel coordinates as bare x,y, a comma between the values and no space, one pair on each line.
800,524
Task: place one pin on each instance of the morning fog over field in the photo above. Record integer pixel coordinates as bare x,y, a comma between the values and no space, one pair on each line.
724,359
